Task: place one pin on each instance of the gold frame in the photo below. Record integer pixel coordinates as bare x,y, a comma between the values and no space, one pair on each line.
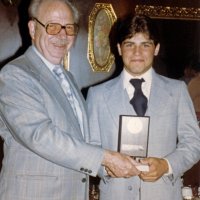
169,12
66,61
100,57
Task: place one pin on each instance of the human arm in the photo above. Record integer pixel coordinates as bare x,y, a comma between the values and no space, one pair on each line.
119,165
157,168
174,134
187,151
40,123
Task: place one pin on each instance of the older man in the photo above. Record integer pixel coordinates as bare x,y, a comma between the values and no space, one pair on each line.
44,123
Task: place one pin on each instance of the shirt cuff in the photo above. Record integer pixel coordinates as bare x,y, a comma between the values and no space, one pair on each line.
169,168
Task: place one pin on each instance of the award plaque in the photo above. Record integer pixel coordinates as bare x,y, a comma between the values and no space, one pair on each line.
133,135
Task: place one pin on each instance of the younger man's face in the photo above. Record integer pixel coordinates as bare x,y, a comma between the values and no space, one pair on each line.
138,53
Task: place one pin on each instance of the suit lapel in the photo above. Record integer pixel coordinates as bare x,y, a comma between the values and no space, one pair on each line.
76,90
117,100
81,102
115,94
158,95
41,72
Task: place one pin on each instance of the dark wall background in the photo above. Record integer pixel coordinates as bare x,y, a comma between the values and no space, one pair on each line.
179,44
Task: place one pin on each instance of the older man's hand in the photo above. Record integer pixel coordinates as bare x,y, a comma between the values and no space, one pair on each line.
118,165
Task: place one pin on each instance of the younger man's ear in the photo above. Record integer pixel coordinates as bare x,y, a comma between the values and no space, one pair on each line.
157,49
119,49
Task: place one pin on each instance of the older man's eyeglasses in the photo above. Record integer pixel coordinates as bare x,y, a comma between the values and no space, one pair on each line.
55,28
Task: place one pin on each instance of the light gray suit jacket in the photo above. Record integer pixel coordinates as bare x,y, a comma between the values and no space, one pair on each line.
46,157
172,119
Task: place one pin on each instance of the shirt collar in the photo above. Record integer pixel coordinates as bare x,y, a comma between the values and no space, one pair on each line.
147,76
146,86
47,63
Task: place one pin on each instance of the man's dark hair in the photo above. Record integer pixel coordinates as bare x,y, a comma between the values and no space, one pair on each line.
196,66
131,24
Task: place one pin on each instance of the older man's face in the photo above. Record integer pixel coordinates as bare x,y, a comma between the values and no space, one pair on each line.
52,47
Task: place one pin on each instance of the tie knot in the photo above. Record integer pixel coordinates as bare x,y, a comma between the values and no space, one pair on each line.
137,82
58,71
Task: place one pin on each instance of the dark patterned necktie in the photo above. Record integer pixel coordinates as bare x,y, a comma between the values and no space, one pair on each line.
139,100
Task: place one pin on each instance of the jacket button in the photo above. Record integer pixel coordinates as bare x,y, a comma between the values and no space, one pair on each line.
83,180
130,187
82,169
89,171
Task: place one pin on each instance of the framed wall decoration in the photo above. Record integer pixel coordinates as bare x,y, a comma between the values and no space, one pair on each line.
167,12
66,61
101,19
179,30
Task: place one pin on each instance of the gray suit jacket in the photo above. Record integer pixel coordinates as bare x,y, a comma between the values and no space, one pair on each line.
172,119
45,154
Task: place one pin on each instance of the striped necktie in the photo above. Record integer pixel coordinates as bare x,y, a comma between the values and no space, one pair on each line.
60,76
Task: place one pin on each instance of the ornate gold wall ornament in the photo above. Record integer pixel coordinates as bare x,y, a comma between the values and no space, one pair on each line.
169,12
66,61
10,2
99,53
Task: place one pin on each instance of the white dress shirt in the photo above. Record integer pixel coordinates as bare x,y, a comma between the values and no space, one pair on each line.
146,86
